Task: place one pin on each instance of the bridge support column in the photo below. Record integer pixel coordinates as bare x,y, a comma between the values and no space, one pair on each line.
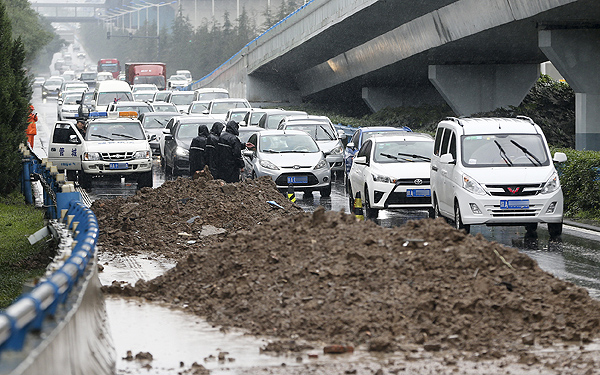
575,54
470,89
378,98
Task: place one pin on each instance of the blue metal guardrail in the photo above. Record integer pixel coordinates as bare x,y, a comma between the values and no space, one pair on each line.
191,85
29,311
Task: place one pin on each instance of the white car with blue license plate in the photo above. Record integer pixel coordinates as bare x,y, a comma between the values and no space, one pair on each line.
392,172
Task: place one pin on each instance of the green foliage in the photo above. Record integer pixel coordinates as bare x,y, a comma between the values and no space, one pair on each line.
580,181
19,260
15,94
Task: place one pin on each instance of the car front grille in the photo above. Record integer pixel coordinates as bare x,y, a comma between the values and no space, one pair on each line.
514,190
412,181
117,156
401,198
496,211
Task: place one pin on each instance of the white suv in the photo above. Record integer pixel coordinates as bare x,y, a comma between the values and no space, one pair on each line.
392,172
495,171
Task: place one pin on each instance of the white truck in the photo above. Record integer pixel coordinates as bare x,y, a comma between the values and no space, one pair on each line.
115,146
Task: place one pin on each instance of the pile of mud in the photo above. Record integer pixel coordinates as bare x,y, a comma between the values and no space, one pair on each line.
326,277
179,216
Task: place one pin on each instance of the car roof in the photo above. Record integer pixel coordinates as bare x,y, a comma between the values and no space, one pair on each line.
128,103
225,100
156,114
409,136
280,132
181,92
494,125
251,128
306,122
196,118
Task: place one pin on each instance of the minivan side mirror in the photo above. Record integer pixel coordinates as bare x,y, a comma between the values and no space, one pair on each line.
560,157
447,159
360,160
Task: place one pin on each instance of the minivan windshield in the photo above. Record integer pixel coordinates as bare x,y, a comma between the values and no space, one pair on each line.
504,150
105,98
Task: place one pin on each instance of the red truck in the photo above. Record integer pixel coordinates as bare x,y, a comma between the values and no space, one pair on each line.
152,72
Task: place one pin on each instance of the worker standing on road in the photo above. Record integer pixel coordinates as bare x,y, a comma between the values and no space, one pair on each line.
211,149
32,127
198,150
229,151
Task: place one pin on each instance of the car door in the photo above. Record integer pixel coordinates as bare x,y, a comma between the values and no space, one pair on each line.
446,170
65,146
170,144
358,172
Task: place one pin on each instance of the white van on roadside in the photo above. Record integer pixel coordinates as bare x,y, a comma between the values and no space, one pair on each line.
495,171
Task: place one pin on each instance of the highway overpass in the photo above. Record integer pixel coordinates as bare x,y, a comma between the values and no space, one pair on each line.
476,55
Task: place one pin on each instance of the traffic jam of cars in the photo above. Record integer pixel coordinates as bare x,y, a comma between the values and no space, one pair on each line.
472,171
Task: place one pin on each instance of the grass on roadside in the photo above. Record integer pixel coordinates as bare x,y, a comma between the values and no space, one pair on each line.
19,260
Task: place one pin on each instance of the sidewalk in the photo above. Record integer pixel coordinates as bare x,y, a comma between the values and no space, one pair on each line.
586,224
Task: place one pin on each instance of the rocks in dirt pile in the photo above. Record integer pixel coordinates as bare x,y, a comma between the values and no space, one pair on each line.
328,278
153,219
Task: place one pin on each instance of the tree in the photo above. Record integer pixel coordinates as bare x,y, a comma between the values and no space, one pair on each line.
15,94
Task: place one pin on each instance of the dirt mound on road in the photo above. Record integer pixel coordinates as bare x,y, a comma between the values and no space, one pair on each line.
178,217
328,278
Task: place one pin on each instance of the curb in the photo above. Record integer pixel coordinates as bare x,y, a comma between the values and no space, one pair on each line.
581,225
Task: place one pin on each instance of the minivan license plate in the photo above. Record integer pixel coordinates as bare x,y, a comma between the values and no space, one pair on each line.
297,179
414,193
514,204
118,166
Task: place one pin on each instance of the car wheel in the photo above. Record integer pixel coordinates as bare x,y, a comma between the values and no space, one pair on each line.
555,229
253,175
370,212
350,199
326,192
431,213
436,208
72,175
145,180
530,228
458,224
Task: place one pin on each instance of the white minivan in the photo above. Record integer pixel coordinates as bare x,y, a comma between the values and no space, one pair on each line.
495,171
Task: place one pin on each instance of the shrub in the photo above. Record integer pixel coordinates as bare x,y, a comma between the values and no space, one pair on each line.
580,181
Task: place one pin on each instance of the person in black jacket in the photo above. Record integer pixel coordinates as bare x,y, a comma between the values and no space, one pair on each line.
229,151
211,149
198,150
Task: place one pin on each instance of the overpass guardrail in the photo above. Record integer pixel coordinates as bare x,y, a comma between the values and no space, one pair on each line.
48,313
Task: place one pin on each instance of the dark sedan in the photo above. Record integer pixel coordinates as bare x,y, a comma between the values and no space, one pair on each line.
178,140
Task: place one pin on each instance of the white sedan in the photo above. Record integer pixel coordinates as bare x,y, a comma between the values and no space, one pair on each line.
392,172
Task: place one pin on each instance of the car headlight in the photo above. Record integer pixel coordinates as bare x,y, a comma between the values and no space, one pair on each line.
180,151
92,156
267,164
337,150
380,178
321,164
142,155
469,184
551,185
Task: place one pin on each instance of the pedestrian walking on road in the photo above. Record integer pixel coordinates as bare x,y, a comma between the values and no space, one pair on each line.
211,149
229,152
198,157
32,127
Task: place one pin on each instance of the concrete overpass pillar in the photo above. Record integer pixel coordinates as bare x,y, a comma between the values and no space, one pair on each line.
470,89
378,98
575,53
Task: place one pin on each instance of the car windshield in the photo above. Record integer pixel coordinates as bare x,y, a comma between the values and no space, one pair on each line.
504,150
105,98
284,143
403,151
161,96
366,135
53,82
139,96
182,99
319,132
156,121
189,130
274,120
72,98
237,116
198,107
222,107
111,131
212,95
89,76
164,108
245,134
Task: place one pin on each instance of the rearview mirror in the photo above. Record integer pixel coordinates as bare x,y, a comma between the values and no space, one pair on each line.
361,160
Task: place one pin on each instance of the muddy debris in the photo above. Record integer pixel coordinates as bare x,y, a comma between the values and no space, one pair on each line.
327,278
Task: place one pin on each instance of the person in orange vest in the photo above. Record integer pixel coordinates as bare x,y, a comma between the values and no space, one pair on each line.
31,128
